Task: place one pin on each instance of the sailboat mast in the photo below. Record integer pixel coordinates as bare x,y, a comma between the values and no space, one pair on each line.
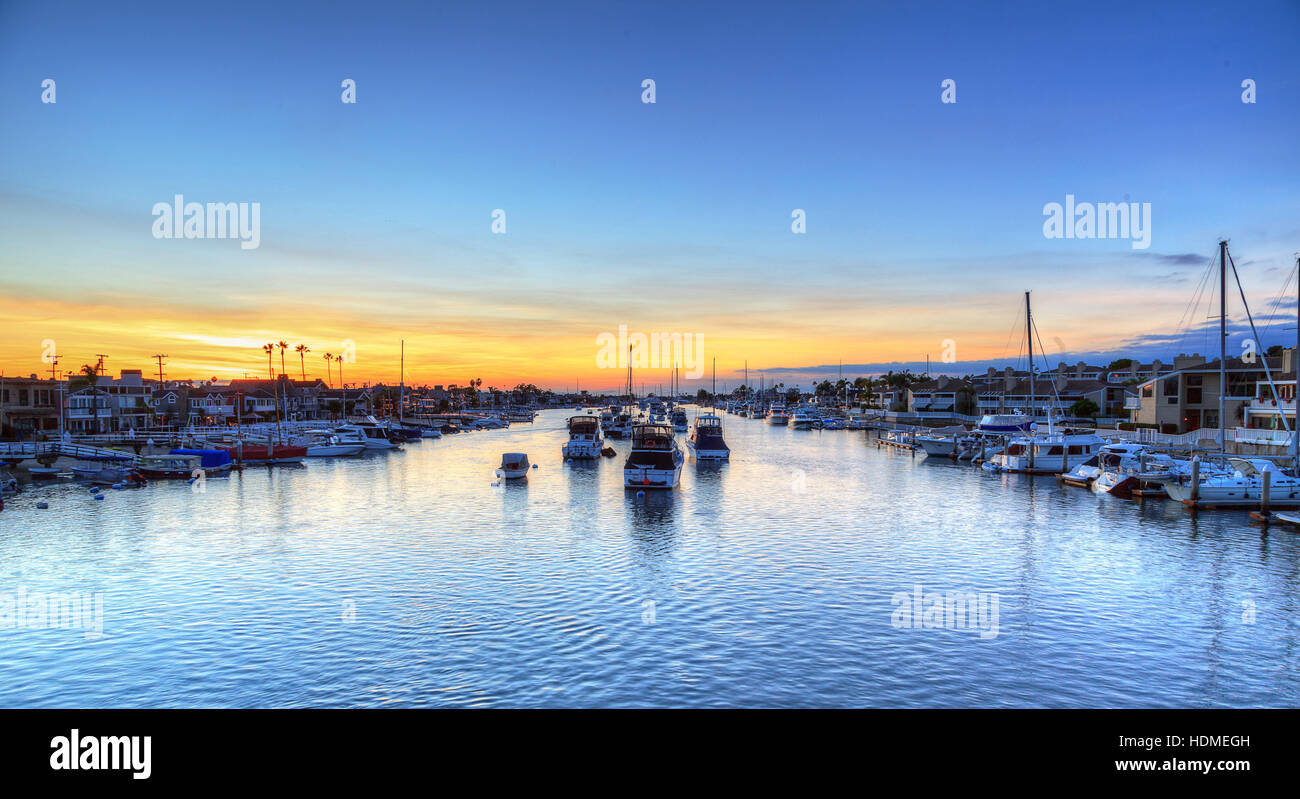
1029,336
1295,393
1223,341
401,384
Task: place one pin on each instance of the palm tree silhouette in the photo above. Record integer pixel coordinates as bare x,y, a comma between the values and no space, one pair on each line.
329,373
302,350
268,349
283,346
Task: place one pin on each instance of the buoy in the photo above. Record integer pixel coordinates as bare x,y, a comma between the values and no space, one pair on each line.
99,496
534,466
640,495
93,489
42,505
117,486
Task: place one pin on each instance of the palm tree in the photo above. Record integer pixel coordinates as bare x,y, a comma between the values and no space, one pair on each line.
339,360
283,346
268,349
329,374
302,350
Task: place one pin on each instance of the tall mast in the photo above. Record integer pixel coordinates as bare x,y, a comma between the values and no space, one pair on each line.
1295,393
1223,340
1029,336
401,383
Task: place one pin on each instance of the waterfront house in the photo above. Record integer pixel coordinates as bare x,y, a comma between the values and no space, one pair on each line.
1187,398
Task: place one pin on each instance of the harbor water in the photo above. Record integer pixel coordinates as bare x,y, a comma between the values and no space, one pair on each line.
783,578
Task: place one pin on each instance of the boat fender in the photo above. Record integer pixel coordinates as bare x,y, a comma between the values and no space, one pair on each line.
93,489
42,505
534,466
99,496
117,486
640,495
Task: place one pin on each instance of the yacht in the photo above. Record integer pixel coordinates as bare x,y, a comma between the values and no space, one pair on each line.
1243,485
778,415
679,420
1053,453
803,419
655,460
706,438
586,438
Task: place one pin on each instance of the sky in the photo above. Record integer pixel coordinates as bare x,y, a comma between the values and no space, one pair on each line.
924,220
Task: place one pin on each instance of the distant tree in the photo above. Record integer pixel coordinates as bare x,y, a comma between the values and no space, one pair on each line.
1122,363
1275,351
1084,409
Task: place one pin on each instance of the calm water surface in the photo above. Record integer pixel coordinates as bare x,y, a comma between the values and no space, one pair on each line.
409,579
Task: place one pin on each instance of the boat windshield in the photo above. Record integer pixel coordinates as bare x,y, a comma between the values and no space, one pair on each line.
651,436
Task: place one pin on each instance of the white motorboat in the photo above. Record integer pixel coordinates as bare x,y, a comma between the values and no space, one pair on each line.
326,444
655,460
1053,453
778,416
803,419
514,465
586,438
372,436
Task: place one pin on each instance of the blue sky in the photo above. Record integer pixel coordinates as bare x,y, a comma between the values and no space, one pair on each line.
924,219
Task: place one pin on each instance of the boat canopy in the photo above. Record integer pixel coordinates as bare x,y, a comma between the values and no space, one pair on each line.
652,436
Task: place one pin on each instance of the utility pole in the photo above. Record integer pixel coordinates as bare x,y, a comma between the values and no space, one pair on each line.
159,358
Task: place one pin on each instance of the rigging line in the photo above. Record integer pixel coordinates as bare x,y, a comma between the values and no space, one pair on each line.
1277,301
1195,300
1268,374
1184,329
1039,336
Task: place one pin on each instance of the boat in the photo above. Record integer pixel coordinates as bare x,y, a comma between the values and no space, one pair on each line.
803,419
173,467
514,465
374,437
778,416
265,454
1122,468
941,442
706,441
1053,453
655,460
327,444
586,438
679,420
121,473
1243,485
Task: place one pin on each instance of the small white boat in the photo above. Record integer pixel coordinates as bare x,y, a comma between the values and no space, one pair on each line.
778,416
325,444
373,437
514,465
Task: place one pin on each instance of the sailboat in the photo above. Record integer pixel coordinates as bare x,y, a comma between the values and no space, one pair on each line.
1050,453
1247,479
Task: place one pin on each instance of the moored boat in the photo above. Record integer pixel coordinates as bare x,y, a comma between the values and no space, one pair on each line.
655,460
706,439
586,438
